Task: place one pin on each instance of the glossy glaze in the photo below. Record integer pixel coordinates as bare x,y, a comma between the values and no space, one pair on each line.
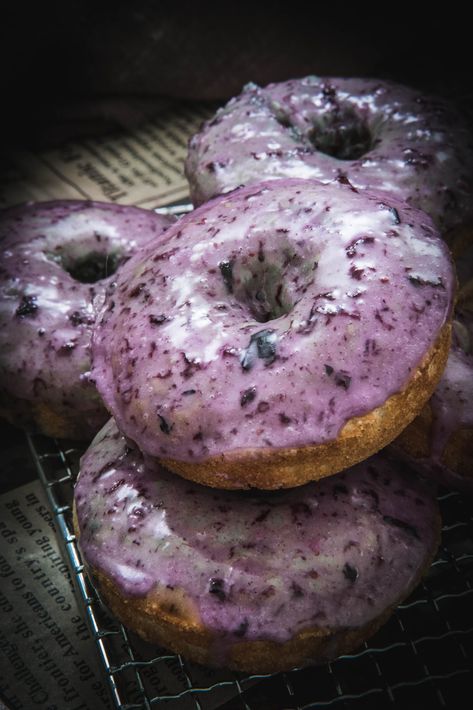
46,314
270,317
335,553
379,135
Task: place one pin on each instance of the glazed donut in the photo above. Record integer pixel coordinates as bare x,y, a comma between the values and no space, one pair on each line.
257,582
378,135
440,439
283,331
57,258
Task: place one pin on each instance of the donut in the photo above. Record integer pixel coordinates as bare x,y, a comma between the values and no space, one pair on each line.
259,582
440,440
283,331
57,260
378,135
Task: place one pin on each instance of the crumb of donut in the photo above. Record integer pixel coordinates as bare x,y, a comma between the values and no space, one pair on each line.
360,438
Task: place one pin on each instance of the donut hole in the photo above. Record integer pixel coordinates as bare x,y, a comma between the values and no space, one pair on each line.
262,292
267,285
342,134
93,267
87,268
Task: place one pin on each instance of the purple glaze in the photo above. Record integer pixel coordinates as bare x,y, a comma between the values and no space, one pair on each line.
331,553
46,315
388,138
359,287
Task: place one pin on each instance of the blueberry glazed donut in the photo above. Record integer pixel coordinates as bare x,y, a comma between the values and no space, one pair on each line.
259,583
283,332
378,135
56,260
440,439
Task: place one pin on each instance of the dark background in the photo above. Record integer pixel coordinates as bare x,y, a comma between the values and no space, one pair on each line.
64,64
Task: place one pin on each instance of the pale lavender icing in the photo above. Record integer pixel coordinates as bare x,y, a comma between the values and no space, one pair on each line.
46,315
333,553
270,317
380,135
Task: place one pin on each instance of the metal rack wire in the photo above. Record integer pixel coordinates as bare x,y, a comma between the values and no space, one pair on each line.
422,658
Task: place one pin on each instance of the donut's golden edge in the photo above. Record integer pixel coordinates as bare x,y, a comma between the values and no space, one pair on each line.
170,619
360,438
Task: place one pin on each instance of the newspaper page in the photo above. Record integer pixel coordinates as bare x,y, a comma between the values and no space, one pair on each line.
48,658
47,655
143,167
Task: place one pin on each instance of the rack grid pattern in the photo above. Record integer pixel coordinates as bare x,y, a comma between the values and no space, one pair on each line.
423,657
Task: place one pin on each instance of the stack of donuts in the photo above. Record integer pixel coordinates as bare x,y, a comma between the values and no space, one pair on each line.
257,356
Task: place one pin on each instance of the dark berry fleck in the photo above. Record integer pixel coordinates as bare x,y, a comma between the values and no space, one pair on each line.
328,369
67,348
28,307
284,419
343,180
342,379
402,525
261,345
191,367
77,318
350,572
226,269
353,247
216,587
395,214
164,425
137,290
157,320
186,393
296,590
419,281
247,396
300,508
262,516
356,272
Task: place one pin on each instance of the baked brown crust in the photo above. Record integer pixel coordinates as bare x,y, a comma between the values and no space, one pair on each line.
360,438
169,618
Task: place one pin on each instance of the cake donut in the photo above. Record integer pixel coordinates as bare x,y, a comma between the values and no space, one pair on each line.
282,332
378,135
259,582
440,439
57,259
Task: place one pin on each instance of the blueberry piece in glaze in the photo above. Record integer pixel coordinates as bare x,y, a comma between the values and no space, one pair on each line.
28,307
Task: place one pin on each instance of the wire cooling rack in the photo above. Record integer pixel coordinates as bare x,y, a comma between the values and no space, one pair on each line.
422,658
